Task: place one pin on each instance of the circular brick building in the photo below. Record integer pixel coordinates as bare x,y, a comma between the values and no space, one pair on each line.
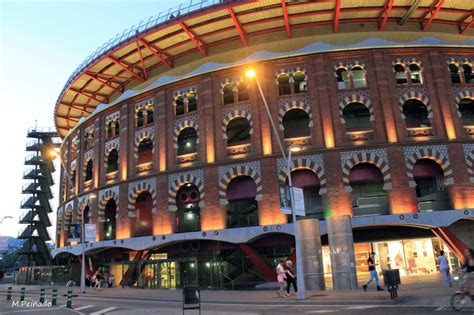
171,154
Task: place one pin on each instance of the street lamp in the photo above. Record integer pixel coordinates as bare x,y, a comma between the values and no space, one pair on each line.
6,217
251,74
54,154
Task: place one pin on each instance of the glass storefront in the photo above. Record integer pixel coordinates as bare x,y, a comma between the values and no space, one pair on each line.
411,257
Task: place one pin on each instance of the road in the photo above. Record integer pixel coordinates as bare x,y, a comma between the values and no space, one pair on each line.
112,306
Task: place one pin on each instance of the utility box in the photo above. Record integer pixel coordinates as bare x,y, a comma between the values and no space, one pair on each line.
391,277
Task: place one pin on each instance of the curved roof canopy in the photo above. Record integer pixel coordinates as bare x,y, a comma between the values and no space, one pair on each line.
157,45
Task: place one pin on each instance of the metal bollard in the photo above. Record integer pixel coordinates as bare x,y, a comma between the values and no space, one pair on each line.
69,299
54,299
9,293
41,300
22,294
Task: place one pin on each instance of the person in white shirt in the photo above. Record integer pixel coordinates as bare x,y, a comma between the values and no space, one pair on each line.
281,278
444,269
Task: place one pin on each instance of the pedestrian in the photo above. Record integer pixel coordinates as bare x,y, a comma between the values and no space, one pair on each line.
444,269
468,267
281,276
88,280
111,281
373,273
71,283
290,276
93,280
98,278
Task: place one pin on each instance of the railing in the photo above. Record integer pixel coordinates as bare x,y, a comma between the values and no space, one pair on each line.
228,278
141,27
242,220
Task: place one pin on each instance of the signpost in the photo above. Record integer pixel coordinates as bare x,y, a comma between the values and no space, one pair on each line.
285,200
90,232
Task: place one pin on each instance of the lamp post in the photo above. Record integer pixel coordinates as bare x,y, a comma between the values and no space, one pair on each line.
299,264
55,153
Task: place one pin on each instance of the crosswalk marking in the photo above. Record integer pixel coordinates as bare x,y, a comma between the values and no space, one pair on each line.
105,310
360,307
83,307
322,311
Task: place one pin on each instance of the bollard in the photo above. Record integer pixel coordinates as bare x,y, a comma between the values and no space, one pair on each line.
69,299
41,300
55,297
9,293
22,294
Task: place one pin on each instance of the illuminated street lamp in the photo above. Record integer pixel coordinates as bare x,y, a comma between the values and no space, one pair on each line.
251,74
6,217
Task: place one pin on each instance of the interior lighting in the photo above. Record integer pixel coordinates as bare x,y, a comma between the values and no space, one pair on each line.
296,148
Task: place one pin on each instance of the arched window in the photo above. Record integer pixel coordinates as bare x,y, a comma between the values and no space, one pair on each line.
454,72
400,74
466,108
430,189
415,74
117,127
140,121
342,77
468,75
243,94
145,150
144,219
187,141
179,105
192,101
358,77
300,82
296,124
228,93
86,214
110,214
112,161
88,175
309,182
188,218
357,117
284,84
149,114
368,196
416,114
242,209
109,130
238,131
73,177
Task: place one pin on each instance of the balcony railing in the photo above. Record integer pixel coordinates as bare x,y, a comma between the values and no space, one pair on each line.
420,131
435,201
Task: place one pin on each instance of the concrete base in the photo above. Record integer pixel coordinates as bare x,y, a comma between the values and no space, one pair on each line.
310,240
341,247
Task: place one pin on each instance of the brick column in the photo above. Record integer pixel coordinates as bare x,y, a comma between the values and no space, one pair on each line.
337,201
124,224
209,121
124,156
461,193
317,133
269,142
163,219
161,126
213,215
98,166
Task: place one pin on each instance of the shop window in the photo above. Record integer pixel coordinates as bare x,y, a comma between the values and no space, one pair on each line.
192,101
342,78
188,215
368,196
144,216
149,114
145,149
140,118
357,117
187,141
88,173
468,75
238,131
466,108
110,214
242,208
400,74
415,74
300,84
243,91
179,105
416,114
296,124
431,191
358,77
86,215
112,161
454,72
283,80
309,182
228,94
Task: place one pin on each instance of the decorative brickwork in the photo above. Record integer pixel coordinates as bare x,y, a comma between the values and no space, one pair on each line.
185,122
461,93
228,172
177,180
296,102
82,203
378,157
135,188
143,104
417,93
469,156
346,98
104,197
229,114
437,153
314,163
112,117
68,214
109,146
140,135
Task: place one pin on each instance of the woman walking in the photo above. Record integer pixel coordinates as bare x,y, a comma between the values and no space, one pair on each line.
281,276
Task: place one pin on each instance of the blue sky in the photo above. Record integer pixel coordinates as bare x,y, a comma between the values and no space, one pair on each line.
41,43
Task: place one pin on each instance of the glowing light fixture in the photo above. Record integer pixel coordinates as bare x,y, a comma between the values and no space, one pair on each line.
250,73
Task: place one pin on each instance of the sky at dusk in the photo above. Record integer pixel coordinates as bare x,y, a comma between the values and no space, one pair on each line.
41,43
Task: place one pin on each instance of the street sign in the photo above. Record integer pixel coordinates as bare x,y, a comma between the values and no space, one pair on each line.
285,200
298,199
90,232
74,233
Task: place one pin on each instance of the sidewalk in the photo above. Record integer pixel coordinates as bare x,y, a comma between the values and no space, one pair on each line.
427,290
